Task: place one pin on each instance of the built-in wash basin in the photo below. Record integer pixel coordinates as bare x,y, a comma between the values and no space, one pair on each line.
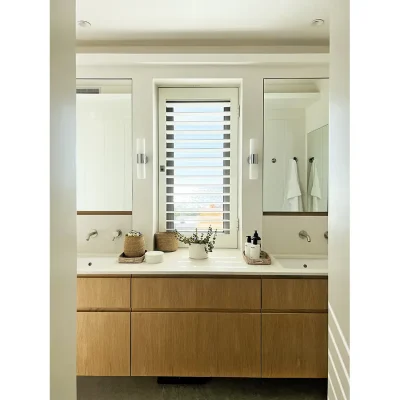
96,261
304,263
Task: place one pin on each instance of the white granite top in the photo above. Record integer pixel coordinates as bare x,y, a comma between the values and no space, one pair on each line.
220,262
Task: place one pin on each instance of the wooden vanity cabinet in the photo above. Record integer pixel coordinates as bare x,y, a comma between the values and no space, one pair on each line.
103,326
270,327
306,294
206,327
294,327
295,345
103,293
203,344
103,344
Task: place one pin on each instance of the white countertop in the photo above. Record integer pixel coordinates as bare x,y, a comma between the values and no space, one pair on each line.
219,262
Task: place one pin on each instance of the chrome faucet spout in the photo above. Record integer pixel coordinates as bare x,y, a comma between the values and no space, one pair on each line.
305,235
92,233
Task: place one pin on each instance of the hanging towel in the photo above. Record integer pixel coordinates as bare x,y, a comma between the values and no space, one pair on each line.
314,189
293,193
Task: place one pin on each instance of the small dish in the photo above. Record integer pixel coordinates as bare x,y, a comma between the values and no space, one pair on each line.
154,257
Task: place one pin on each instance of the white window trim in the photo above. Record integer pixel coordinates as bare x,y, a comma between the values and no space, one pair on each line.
223,93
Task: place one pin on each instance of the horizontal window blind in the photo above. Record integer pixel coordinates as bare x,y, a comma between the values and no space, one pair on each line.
197,152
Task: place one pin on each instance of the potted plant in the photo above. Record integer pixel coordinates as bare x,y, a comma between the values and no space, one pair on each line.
199,245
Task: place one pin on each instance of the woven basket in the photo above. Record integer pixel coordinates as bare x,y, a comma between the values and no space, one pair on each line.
264,259
166,241
134,246
130,260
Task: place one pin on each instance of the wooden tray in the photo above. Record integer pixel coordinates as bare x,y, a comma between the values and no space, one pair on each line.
264,259
130,260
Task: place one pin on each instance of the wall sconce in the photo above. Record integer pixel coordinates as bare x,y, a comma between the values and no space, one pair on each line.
141,158
252,159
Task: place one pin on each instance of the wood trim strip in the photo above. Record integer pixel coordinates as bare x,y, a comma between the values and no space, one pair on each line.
203,276
103,309
104,213
196,310
188,276
297,214
294,311
103,276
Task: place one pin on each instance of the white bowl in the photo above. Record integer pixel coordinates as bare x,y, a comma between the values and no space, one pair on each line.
154,257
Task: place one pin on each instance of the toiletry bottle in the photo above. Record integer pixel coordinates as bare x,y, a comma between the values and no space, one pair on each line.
255,249
256,235
247,246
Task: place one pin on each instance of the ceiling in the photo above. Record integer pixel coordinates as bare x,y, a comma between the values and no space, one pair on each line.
203,22
291,93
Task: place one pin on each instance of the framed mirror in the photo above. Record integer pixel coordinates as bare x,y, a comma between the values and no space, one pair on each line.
104,146
296,146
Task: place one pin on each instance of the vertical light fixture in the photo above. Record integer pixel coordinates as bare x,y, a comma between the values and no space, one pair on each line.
141,158
253,160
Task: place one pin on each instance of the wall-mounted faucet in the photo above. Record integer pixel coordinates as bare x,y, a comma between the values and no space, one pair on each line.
305,235
117,234
92,233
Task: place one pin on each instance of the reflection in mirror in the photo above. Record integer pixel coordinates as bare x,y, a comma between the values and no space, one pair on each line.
104,146
296,146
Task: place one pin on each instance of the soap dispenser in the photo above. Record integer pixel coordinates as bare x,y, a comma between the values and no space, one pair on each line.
255,249
257,236
247,246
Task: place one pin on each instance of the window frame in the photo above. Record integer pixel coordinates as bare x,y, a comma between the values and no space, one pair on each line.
230,94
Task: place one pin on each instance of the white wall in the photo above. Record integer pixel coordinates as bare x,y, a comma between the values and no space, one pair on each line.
281,234
62,202
339,203
104,152
105,226
284,138
317,114
318,148
144,123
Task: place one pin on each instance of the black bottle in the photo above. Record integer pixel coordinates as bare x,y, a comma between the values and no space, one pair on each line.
256,236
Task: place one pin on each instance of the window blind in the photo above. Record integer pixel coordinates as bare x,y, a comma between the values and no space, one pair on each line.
197,154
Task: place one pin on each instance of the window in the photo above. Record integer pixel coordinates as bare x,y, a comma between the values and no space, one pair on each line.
198,135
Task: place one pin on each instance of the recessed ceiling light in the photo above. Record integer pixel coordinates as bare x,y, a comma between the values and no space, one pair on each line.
317,22
84,24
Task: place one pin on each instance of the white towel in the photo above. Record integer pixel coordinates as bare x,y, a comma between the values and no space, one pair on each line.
293,193
314,189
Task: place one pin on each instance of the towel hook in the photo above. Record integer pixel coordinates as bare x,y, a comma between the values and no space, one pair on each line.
311,159
295,159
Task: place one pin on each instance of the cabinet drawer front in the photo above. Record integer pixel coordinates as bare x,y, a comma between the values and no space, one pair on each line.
103,294
196,293
295,294
103,344
207,344
295,345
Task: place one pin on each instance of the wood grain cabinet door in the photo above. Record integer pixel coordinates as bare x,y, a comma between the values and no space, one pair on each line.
103,343
292,294
103,294
295,345
172,294
199,344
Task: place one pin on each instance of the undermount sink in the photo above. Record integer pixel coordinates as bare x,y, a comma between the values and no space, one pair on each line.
96,261
304,263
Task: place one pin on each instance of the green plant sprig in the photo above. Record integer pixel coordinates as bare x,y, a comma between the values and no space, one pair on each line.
208,240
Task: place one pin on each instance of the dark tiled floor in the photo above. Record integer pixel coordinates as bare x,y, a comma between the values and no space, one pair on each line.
95,388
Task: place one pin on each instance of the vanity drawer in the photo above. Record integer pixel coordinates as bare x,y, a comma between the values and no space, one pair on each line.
103,294
196,294
295,294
